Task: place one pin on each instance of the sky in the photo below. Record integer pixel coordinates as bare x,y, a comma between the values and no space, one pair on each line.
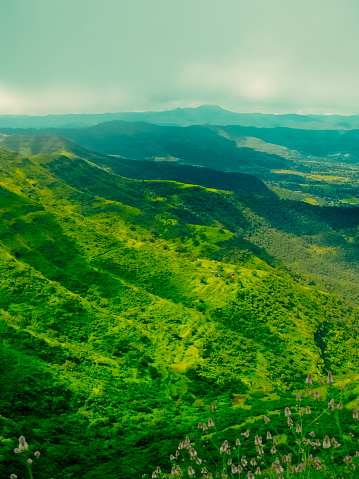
95,56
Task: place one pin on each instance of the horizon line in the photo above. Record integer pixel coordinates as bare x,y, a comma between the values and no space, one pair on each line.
299,113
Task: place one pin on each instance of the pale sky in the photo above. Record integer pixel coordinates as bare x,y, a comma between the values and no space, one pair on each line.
94,56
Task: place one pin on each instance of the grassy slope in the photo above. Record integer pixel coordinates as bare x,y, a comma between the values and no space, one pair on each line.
110,314
318,244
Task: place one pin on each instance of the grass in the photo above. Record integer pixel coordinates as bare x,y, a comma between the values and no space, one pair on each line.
316,437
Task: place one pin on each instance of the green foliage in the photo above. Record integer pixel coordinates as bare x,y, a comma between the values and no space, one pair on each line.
127,306
311,434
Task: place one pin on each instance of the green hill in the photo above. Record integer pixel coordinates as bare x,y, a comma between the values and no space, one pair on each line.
158,170
128,306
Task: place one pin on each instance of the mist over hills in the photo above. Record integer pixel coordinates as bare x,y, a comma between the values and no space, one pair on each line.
205,114
197,145
214,146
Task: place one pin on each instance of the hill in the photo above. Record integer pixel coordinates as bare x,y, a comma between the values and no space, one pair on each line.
130,305
319,167
318,244
155,170
220,147
197,145
30,145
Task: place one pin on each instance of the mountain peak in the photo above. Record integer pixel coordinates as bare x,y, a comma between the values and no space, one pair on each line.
210,108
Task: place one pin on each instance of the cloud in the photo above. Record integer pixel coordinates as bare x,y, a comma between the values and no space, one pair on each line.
258,55
279,83
62,98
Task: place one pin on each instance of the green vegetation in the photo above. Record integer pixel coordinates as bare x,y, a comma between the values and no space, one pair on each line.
127,306
304,447
316,438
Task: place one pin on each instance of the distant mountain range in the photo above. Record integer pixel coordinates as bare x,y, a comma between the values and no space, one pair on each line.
205,114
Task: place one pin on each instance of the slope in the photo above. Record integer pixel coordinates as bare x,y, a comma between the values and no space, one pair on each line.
128,307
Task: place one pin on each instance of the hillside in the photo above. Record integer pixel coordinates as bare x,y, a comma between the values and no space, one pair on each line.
151,170
128,306
317,167
212,146
30,145
195,145
317,244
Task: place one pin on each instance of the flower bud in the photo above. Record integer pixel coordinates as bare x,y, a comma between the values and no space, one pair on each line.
23,444
326,442
266,419
22,440
192,452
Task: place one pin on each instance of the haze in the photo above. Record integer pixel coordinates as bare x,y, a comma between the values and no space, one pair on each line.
85,56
